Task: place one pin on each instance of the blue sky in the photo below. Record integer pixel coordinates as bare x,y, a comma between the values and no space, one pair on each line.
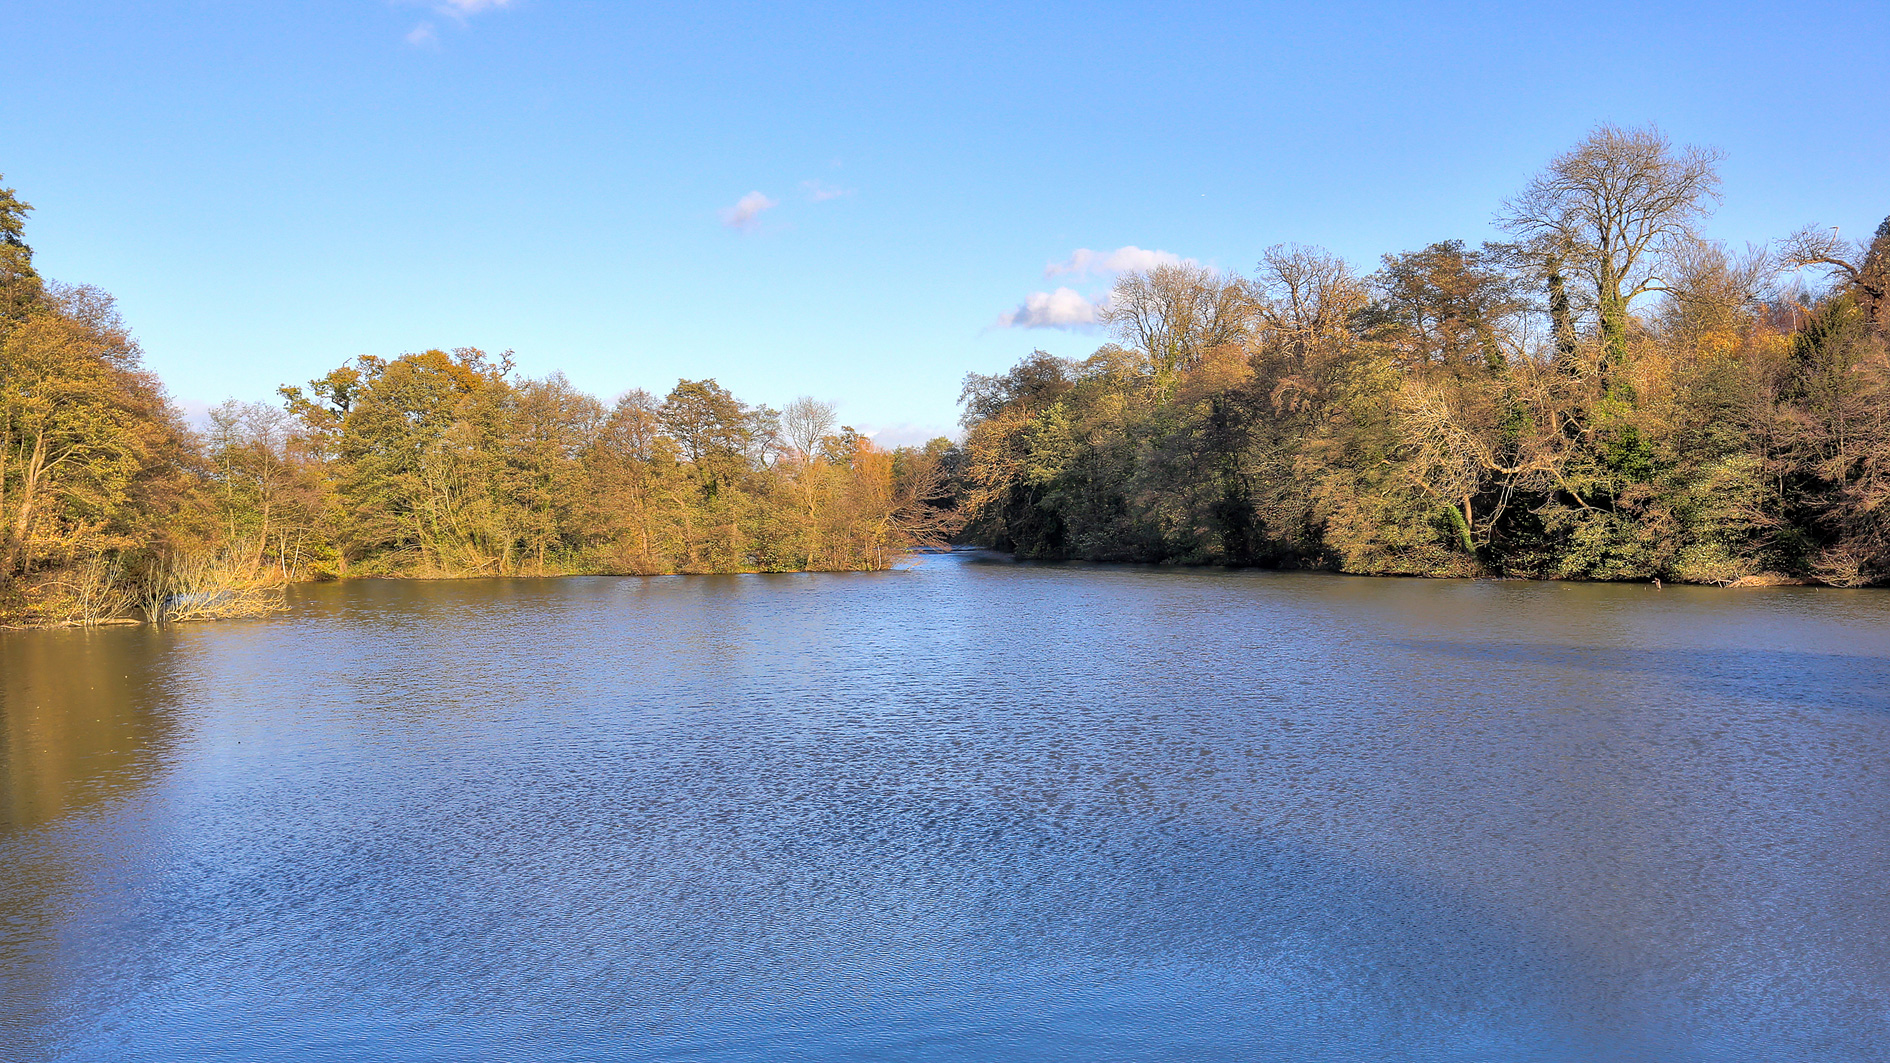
271,189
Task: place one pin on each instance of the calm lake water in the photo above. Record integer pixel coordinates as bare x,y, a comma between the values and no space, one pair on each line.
972,811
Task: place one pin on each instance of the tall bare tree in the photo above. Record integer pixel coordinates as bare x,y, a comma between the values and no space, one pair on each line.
1606,211
1711,294
1305,295
1306,299
1176,314
804,423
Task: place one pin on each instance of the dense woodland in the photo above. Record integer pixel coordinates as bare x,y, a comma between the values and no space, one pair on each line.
440,463
1606,395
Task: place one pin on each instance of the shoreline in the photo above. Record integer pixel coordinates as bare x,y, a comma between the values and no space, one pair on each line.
1763,581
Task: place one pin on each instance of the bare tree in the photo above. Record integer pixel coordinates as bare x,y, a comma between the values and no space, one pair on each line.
1710,291
804,423
1176,314
1306,294
1865,266
1606,211
1306,299
269,497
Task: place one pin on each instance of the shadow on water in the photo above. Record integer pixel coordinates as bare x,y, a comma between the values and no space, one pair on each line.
1784,677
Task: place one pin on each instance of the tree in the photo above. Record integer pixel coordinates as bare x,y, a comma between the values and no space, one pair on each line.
92,456
1865,267
1308,299
19,284
271,493
416,455
1175,314
804,424
1711,296
1305,296
1443,305
631,466
551,425
1607,210
712,427
807,428
1033,382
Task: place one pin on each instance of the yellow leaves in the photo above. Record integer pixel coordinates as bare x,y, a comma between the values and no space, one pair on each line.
1219,371
445,465
92,458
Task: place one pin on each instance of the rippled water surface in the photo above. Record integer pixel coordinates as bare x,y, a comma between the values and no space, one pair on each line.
972,811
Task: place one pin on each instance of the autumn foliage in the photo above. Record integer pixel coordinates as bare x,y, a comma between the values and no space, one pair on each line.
1606,395
1609,395
442,463
433,463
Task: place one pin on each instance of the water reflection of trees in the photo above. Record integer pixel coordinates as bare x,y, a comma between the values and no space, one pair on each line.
81,729
76,722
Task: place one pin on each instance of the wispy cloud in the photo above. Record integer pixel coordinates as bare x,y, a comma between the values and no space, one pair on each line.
1064,308
745,215
426,34
904,434
820,191
467,8
1086,263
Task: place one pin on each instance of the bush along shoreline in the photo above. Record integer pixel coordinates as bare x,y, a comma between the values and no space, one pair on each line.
1605,395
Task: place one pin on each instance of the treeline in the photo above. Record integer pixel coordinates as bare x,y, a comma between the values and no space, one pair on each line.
443,463
430,464
1606,395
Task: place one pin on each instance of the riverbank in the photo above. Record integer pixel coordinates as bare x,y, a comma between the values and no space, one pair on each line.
89,597
266,597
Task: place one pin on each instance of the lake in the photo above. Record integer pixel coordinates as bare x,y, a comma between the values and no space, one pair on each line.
974,810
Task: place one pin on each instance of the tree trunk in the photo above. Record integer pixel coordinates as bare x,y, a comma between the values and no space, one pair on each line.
17,552
1561,319
1613,338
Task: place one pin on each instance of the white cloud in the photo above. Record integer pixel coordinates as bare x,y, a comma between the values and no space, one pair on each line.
904,434
453,12
464,8
1086,263
820,191
1063,308
745,215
